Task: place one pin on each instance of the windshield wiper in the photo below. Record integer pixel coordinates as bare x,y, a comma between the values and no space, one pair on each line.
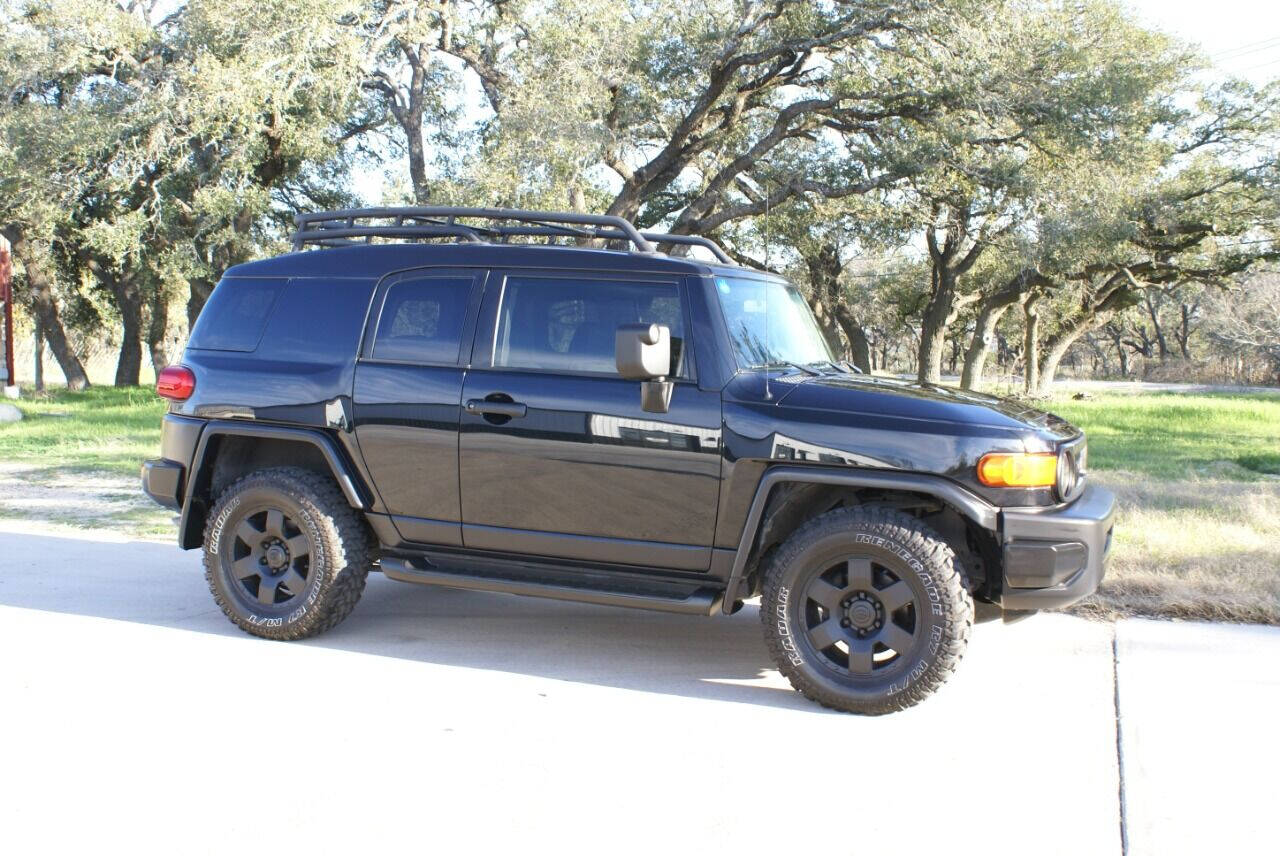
834,366
779,364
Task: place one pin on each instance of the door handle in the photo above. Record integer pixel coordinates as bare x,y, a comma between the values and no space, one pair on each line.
509,409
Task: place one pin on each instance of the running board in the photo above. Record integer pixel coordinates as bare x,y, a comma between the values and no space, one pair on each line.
686,599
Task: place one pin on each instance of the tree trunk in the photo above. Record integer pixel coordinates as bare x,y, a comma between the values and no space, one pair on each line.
158,330
1048,369
833,315
1031,346
933,326
39,356
1183,334
1113,298
129,365
418,168
992,310
984,334
859,346
45,308
827,325
124,288
200,289
1161,341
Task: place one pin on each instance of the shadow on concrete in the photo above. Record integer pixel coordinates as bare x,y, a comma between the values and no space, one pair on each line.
721,659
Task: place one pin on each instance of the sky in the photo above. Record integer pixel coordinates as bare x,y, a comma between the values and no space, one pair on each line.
1241,37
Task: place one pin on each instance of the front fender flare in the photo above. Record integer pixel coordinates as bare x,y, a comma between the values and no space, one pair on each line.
976,509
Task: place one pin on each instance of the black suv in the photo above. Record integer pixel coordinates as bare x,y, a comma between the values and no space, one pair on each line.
542,403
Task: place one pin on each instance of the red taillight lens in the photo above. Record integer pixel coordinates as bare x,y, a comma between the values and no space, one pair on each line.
176,383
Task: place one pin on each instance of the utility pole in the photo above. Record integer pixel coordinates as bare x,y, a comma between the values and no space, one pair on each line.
8,381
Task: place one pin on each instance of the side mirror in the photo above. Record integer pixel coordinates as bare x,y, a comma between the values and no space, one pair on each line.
643,353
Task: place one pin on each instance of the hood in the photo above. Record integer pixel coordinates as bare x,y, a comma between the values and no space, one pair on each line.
889,397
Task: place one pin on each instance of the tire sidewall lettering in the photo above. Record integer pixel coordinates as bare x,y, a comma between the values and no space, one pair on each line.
785,637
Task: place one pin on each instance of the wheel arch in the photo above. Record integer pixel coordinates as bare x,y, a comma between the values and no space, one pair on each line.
227,451
787,496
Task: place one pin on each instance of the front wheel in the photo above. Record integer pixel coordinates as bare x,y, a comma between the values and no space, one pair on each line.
865,610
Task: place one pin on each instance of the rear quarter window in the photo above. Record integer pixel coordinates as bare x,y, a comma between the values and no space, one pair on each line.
235,316
422,320
318,320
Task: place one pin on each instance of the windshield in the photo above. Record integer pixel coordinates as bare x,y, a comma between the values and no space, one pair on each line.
785,333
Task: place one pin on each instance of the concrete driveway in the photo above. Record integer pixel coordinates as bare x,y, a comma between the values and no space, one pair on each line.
133,714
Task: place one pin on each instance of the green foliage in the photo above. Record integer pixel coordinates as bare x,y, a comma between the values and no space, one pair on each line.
145,147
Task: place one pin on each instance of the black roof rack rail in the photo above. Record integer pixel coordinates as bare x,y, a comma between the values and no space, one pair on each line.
693,241
311,226
342,227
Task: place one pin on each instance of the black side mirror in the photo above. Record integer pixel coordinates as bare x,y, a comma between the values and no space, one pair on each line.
643,353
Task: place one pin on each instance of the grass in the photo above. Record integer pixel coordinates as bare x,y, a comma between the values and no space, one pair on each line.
1197,477
103,429
1197,480
1173,436
75,456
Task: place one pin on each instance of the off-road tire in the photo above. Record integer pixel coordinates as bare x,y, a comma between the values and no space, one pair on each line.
896,547
337,562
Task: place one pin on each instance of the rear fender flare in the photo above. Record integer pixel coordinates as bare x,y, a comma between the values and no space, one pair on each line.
191,524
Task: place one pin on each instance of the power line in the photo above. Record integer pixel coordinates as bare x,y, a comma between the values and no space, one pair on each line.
1251,47
1262,65
900,274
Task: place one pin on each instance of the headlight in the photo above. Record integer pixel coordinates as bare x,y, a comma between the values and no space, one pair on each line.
1071,468
1018,469
1068,476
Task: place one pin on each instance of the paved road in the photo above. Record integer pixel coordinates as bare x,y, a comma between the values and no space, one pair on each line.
132,713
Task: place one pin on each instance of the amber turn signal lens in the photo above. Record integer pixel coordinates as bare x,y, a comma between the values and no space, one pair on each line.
1018,469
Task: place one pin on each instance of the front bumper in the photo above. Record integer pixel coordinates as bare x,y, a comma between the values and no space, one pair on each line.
1056,556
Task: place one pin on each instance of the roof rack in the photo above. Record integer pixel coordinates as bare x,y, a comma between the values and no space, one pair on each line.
344,227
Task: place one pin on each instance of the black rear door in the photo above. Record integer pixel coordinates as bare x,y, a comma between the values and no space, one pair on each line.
408,390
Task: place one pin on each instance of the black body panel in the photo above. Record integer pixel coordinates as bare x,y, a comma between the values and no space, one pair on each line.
579,470
446,447
406,410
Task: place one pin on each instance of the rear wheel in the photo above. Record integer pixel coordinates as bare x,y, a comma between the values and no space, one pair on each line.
865,610
285,556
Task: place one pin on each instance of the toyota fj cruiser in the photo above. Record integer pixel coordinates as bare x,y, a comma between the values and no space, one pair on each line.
459,397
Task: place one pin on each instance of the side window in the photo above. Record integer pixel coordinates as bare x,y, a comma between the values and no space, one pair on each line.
236,314
421,320
565,324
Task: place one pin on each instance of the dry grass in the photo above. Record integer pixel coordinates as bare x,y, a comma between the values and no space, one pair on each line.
1203,548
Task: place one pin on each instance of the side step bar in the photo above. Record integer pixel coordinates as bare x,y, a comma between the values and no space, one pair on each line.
683,599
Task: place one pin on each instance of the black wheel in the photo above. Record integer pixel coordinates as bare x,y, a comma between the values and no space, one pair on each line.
286,557
865,610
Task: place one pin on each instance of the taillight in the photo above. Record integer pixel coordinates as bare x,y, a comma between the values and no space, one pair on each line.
176,383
